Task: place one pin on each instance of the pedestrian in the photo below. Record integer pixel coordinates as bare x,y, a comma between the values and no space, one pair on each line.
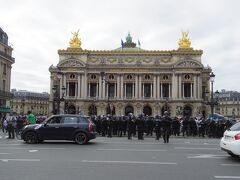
166,125
11,122
31,118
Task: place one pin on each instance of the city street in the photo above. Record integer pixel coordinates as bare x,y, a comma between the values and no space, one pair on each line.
117,159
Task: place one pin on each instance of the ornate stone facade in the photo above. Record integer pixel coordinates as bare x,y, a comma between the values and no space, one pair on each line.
130,79
6,61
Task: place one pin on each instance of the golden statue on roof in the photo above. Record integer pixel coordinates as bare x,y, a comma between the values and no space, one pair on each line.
184,42
75,42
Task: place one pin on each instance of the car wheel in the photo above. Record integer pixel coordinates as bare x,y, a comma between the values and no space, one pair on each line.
233,155
30,138
81,138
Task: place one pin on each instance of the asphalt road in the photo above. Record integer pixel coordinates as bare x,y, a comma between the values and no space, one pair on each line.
117,159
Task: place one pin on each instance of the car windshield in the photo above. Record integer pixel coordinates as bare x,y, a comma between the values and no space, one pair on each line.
235,127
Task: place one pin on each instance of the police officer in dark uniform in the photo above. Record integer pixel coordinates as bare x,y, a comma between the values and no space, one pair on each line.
110,126
166,125
131,125
158,126
140,126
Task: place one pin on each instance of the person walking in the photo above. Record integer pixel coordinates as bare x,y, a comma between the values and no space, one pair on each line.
166,125
11,122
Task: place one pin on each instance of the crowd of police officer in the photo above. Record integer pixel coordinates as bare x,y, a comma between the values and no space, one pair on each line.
161,126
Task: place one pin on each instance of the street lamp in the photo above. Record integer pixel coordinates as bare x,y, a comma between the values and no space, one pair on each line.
106,81
212,103
57,98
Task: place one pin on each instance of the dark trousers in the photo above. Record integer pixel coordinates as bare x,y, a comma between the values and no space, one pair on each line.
158,133
11,133
166,134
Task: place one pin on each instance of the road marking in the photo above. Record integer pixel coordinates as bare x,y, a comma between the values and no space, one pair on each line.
206,156
130,162
139,150
32,150
4,153
230,164
190,148
22,160
133,142
16,148
227,177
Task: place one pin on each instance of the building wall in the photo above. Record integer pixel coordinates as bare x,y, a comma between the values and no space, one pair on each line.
181,71
24,101
6,61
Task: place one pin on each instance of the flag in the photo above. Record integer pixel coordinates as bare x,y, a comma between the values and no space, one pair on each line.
122,43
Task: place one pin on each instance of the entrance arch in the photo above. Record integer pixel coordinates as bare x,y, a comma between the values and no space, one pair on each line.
187,111
129,109
110,109
92,110
147,110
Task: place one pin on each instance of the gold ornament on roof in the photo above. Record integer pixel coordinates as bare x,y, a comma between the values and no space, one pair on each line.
75,42
184,42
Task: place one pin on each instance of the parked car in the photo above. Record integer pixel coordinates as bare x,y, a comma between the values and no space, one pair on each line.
71,127
230,141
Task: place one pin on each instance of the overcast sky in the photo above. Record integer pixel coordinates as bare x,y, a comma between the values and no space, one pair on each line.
38,28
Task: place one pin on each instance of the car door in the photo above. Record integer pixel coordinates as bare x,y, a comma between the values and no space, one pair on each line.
51,129
69,126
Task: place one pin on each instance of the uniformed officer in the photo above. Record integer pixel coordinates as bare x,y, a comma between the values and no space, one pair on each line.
166,125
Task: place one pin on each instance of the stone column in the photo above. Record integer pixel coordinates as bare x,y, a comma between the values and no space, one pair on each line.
154,87
122,86
136,87
118,86
82,84
161,95
195,87
174,86
169,88
97,95
100,87
125,91
158,87
140,87
79,86
180,86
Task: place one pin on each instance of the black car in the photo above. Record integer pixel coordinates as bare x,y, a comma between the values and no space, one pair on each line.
76,128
